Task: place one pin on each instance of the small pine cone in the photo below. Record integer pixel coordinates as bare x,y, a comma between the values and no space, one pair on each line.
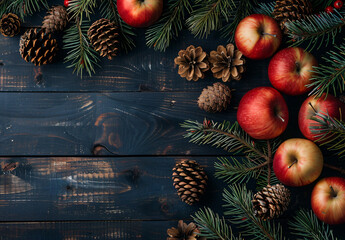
291,10
104,37
184,232
190,180
38,47
9,25
192,63
55,20
215,98
227,63
271,201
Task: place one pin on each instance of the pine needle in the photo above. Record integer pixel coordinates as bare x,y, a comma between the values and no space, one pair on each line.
315,30
24,8
159,35
212,226
266,8
329,76
306,225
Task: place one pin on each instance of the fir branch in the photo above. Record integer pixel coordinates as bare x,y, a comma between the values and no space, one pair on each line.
266,8
4,6
227,136
212,226
207,16
168,27
109,11
25,8
244,8
329,76
315,29
330,132
80,54
240,209
306,225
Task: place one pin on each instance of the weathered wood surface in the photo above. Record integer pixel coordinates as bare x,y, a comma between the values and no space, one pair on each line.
70,188
126,123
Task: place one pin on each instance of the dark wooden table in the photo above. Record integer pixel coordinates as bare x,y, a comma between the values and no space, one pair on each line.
55,185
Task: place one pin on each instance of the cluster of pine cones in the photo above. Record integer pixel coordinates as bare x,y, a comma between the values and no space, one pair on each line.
39,46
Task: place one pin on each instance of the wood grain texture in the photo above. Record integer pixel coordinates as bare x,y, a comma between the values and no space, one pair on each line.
126,123
124,230
70,188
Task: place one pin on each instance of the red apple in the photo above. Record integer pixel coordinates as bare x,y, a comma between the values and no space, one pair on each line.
258,36
328,200
263,113
298,162
331,105
289,70
140,13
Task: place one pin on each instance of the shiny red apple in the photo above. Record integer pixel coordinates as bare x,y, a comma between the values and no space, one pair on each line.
263,113
328,200
289,70
331,105
298,162
140,13
258,36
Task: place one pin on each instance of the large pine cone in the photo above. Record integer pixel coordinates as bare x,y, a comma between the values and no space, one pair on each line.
38,47
9,25
104,37
55,20
271,201
192,63
184,232
190,180
227,63
291,10
215,98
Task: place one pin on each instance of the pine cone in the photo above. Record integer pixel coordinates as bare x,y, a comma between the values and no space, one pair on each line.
227,63
55,20
9,25
215,98
104,37
190,180
192,63
184,232
291,10
37,47
271,201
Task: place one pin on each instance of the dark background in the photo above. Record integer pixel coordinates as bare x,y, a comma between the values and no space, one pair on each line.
53,186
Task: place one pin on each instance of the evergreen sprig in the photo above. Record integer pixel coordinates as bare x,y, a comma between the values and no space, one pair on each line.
22,8
315,30
207,16
329,76
212,226
330,132
168,27
240,210
81,55
227,136
244,8
266,8
109,11
306,225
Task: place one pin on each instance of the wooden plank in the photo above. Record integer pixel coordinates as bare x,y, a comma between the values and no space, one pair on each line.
143,69
126,123
69,188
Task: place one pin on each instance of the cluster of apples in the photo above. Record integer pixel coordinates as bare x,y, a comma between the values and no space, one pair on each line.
263,114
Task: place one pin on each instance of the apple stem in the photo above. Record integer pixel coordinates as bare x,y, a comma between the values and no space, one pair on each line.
269,34
281,118
292,163
334,194
312,107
